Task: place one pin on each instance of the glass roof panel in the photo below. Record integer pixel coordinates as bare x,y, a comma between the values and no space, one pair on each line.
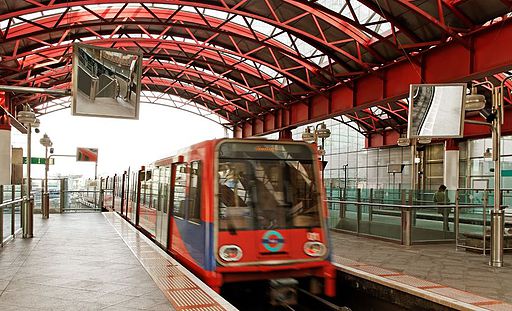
363,13
262,28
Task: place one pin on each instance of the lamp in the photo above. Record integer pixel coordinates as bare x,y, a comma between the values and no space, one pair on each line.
28,118
45,210
311,135
46,141
322,131
494,119
308,136
474,101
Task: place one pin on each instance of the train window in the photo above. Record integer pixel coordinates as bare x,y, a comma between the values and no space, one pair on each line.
155,189
194,209
234,197
180,185
267,194
164,188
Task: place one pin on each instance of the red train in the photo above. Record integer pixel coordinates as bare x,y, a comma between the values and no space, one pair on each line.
235,210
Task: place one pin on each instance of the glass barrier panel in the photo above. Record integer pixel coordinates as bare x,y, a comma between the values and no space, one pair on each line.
474,218
432,224
6,223
81,201
380,221
17,217
108,197
342,216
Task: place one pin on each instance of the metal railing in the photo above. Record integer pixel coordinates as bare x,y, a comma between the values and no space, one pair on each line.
82,200
10,218
14,204
476,205
406,223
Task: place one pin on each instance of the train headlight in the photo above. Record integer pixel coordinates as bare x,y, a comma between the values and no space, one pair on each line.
314,249
230,253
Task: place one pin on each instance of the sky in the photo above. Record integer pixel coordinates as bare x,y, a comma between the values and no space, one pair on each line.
159,132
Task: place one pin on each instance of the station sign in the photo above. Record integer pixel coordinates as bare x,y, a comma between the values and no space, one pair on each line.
87,154
35,160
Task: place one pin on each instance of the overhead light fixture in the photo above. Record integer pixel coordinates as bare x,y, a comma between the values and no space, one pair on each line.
322,131
403,142
26,117
474,101
308,136
46,141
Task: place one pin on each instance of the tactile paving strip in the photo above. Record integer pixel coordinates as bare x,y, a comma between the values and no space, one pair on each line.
426,287
184,291
498,307
459,295
377,270
413,281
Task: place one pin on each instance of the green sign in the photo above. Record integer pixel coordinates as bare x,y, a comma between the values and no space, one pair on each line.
34,160
506,173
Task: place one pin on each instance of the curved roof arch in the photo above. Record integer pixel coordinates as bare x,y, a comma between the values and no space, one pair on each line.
238,58
150,98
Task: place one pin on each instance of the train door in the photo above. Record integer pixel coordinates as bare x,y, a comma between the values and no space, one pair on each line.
170,221
163,205
179,185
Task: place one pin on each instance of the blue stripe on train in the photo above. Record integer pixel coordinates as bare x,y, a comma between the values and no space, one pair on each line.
198,244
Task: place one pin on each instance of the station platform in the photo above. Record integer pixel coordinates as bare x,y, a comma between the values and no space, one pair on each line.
436,272
93,261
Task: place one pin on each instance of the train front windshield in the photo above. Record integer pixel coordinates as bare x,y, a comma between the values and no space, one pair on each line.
267,186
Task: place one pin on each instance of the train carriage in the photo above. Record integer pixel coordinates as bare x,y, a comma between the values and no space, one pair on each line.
235,210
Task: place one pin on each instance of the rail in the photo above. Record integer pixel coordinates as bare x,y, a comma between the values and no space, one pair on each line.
11,222
407,223
477,237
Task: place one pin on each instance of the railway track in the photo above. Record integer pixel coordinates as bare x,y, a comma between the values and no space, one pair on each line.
255,296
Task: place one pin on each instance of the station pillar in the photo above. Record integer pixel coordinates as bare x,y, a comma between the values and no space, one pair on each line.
5,144
451,167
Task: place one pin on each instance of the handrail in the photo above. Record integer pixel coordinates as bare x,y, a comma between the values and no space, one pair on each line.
11,202
405,205
485,189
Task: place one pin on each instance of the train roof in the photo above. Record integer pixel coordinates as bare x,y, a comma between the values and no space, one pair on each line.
180,154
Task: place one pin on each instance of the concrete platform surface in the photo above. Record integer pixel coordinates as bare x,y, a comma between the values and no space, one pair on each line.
435,269
75,262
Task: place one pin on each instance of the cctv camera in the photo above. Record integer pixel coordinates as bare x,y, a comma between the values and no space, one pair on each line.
37,130
51,150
